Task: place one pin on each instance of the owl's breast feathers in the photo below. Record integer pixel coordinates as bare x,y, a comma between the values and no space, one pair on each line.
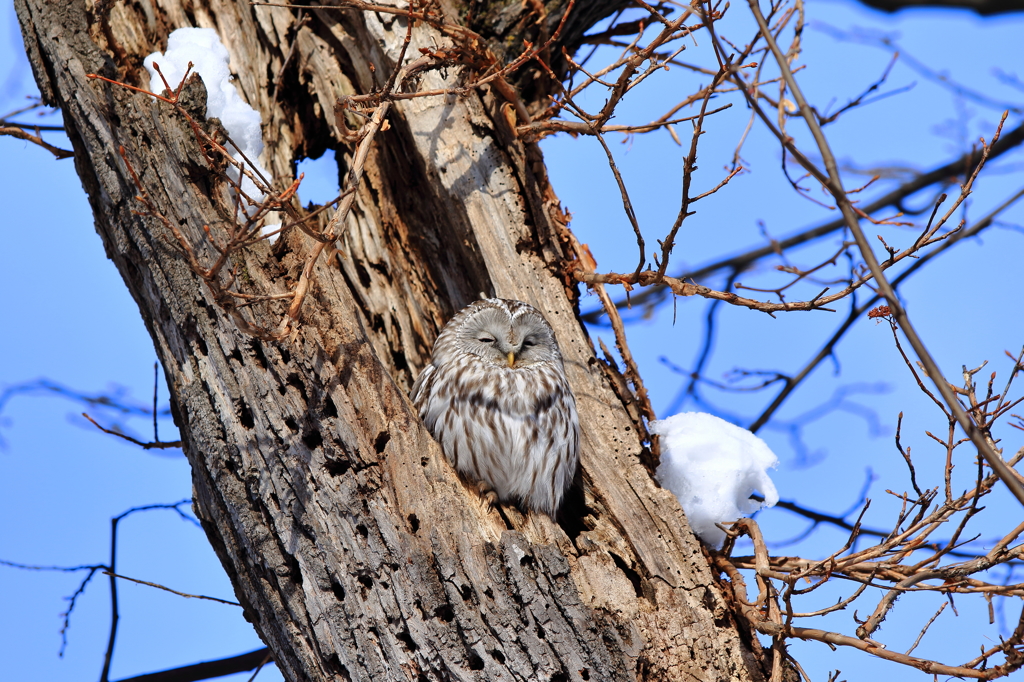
514,429
517,429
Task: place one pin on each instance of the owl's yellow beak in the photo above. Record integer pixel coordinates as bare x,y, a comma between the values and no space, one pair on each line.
511,359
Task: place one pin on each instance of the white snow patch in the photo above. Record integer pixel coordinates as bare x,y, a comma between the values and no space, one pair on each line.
269,229
713,466
209,58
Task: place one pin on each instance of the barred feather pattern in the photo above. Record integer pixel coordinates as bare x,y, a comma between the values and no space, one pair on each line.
496,398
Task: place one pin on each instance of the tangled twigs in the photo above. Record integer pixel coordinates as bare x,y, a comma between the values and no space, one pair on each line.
239,237
348,195
383,101
633,58
833,183
729,69
639,395
771,613
469,49
539,129
906,559
630,76
689,166
748,259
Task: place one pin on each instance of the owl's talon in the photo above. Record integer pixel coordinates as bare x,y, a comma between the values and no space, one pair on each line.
488,493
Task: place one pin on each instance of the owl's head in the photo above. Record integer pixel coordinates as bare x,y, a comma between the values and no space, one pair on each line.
506,333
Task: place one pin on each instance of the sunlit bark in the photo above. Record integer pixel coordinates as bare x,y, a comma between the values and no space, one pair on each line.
356,551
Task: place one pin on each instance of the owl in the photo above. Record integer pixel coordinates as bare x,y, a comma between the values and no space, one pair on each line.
496,398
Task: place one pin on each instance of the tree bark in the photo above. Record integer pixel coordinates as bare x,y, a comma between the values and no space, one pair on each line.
356,551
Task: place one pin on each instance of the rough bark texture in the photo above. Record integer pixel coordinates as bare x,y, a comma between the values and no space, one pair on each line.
356,551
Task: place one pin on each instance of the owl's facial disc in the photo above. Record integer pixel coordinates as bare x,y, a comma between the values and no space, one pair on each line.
499,341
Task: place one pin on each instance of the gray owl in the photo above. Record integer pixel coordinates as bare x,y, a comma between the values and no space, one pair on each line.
496,398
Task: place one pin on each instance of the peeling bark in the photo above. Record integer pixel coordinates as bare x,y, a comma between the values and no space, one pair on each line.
355,549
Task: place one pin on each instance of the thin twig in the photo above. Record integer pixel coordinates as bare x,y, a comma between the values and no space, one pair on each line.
167,589
16,131
155,445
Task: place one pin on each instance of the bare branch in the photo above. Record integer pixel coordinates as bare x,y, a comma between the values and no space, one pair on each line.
208,669
167,589
16,131
153,445
834,184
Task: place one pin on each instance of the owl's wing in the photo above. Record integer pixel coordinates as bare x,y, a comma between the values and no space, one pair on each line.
421,387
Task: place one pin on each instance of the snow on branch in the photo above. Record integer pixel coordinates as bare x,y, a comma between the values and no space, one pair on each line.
713,467
200,50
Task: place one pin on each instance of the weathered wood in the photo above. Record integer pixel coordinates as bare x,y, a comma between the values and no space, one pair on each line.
356,551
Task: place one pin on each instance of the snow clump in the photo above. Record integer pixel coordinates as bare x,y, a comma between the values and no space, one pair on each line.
269,231
209,58
713,466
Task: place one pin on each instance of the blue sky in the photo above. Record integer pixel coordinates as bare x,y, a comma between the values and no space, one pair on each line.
71,320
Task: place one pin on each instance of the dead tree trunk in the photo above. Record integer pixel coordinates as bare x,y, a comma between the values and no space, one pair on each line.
356,551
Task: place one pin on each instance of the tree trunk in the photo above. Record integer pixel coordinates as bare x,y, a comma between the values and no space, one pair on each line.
356,551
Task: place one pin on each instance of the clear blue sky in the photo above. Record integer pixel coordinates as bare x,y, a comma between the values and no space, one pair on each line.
70,319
